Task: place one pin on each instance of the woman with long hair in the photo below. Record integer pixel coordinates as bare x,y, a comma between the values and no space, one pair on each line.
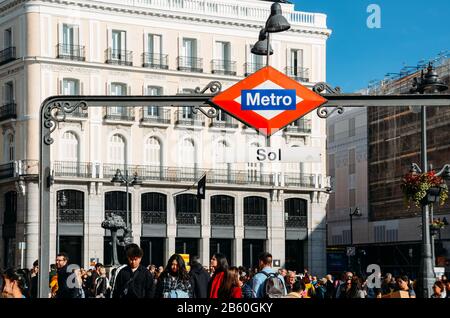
219,264
174,281
15,283
230,287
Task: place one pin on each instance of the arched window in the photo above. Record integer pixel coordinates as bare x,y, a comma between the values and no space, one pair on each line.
70,147
188,209
154,208
222,210
254,168
70,205
255,211
295,212
153,152
117,149
115,202
187,153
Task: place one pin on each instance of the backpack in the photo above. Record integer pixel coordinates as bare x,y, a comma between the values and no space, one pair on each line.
176,293
273,286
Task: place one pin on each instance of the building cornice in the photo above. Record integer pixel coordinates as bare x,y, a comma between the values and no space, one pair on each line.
305,28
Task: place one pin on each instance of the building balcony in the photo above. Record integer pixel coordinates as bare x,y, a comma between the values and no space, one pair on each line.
155,116
223,67
7,55
301,126
71,215
189,218
7,170
70,52
190,64
259,220
251,68
222,219
184,118
152,217
155,60
295,221
8,111
122,114
118,57
299,74
72,169
302,180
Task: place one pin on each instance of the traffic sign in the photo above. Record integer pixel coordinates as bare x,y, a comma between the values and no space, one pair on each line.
268,100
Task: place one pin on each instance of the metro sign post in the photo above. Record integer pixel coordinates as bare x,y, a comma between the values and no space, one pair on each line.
268,101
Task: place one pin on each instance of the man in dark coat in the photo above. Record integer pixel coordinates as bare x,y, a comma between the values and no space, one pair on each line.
133,280
199,279
67,287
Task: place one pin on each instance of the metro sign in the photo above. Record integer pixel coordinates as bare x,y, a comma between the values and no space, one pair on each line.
268,100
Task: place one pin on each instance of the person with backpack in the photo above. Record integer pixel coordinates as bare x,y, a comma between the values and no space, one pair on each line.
133,280
174,282
267,283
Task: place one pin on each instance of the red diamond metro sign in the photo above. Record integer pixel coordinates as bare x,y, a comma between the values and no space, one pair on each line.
268,100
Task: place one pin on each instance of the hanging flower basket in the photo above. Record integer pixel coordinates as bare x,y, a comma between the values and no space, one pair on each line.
424,188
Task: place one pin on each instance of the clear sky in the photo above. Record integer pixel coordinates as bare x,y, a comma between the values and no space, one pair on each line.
411,30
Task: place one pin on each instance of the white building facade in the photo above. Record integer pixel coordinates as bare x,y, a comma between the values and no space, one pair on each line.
151,47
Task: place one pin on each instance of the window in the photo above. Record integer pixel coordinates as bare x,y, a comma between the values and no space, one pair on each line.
9,93
296,57
222,204
118,44
255,205
256,60
155,44
351,161
73,211
153,151
154,202
69,147
296,207
115,202
153,111
351,127
69,39
8,147
118,89
331,132
10,216
295,167
7,40
187,153
221,155
71,86
352,197
189,49
254,168
188,209
223,53
117,151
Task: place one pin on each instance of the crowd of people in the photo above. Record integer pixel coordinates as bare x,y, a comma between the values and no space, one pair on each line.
218,280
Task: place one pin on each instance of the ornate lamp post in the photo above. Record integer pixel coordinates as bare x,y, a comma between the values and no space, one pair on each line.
428,83
356,212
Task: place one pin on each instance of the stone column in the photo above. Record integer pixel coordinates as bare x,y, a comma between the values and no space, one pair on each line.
171,228
94,215
238,232
205,231
275,230
31,223
317,263
136,225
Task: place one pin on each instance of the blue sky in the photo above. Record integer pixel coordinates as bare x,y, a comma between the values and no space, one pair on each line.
411,30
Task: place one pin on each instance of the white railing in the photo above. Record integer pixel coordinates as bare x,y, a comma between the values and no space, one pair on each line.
245,10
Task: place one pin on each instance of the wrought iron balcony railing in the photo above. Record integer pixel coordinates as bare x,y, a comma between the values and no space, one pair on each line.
119,113
223,67
255,220
8,111
118,57
299,74
296,221
7,55
70,52
190,64
302,180
7,170
189,218
71,215
300,126
161,116
72,169
189,118
155,60
251,68
222,219
152,217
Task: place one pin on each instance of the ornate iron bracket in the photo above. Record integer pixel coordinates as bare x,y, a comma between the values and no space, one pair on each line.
323,111
214,87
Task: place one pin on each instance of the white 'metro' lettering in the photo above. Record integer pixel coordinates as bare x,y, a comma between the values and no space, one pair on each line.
267,100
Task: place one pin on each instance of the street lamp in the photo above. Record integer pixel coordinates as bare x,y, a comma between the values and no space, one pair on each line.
274,24
135,181
428,83
356,212
61,202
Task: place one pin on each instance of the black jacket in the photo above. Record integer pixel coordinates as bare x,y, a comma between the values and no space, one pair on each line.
199,281
133,285
67,287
